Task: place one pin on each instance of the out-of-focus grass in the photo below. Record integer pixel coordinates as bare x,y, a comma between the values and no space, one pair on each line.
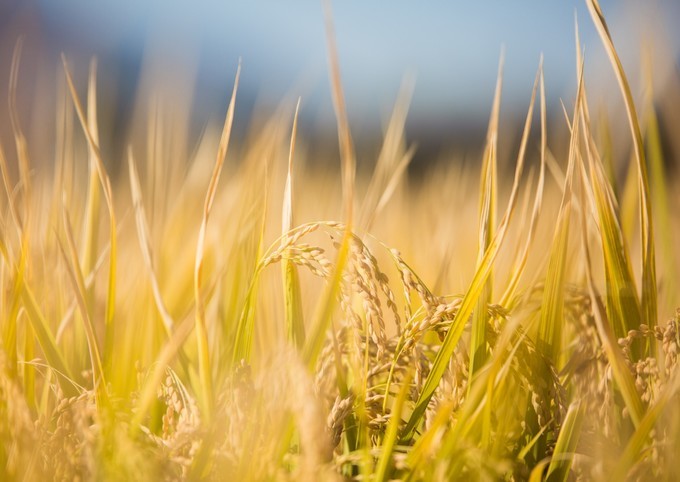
259,320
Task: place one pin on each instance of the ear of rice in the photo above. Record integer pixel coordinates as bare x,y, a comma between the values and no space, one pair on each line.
635,448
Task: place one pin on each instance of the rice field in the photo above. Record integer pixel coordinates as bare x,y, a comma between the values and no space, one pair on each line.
246,315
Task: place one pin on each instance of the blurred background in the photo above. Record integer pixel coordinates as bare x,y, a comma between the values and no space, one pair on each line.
183,55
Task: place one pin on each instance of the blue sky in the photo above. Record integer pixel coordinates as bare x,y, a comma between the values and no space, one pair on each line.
450,48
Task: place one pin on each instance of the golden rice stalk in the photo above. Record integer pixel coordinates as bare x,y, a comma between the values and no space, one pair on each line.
347,154
326,304
382,470
295,326
9,332
649,294
11,200
570,431
488,201
22,224
429,442
507,300
391,164
474,291
19,138
658,185
145,243
205,371
108,196
76,278
634,450
46,341
26,183
149,392
91,226
473,424
623,305
21,290
89,281
549,339
620,371
246,323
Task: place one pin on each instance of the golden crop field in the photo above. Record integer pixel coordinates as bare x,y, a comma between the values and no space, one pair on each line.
247,315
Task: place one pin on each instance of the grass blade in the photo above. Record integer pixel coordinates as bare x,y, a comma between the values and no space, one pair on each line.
487,222
108,196
520,266
295,326
246,323
205,370
145,244
75,275
391,164
619,366
552,304
623,305
558,470
382,470
91,226
658,183
634,448
648,299
46,339
326,304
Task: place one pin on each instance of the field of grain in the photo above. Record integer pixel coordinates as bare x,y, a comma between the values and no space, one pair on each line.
246,315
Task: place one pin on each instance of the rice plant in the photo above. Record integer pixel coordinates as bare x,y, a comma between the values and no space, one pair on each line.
217,321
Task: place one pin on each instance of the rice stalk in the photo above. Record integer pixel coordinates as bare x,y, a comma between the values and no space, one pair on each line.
487,221
549,336
108,196
326,304
620,371
648,298
658,177
520,266
78,283
145,244
295,326
205,369
566,443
